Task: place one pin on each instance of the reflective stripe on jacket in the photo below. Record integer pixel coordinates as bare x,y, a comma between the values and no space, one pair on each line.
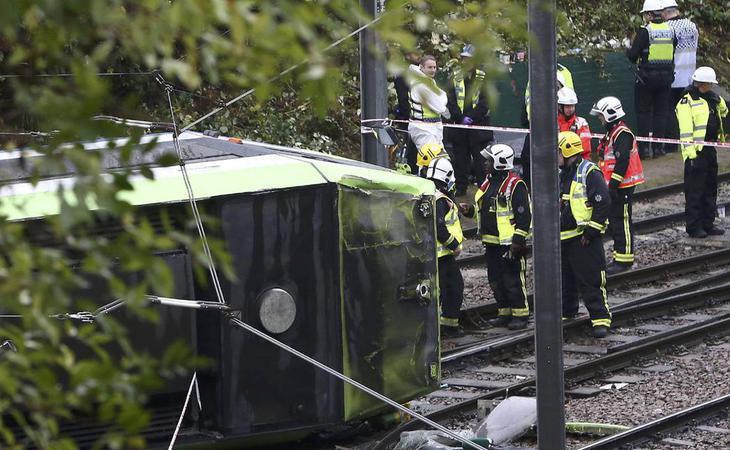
661,43
453,224
460,88
635,171
503,211
692,116
419,111
580,207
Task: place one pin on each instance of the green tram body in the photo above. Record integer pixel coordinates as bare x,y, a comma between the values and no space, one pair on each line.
348,242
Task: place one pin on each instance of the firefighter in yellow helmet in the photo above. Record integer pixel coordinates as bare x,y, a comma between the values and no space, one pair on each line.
449,236
584,208
427,153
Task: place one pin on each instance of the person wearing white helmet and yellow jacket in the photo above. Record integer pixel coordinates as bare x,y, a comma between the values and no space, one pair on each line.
701,114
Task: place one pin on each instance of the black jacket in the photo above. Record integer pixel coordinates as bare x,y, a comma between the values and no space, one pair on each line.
638,54
597,194
442,232
520,206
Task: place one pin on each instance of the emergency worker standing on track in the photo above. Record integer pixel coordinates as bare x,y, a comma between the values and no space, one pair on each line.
701,113
622,170
427,104
653,52
584,207
568,120
502,209
449,236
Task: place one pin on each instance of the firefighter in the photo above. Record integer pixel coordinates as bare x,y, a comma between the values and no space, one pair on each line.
449,236
468,106
426,154
568,120
502,208
621,166
563,79
653,52
427,103
700,113
584,207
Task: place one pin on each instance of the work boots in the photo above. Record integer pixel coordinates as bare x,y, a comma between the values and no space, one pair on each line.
448,332
600,331
615,267
517,323
500,321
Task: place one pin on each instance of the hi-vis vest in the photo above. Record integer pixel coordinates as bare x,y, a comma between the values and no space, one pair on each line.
634,173
420,111
579,205
460,88
503,212
453,225
661,44
692,116
562,70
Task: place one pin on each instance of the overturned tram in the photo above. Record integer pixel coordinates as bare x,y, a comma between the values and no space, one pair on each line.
333,257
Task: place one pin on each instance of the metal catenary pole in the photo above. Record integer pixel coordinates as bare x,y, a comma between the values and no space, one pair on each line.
546,226
373,85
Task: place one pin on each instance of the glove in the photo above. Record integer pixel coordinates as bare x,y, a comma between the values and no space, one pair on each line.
446,114
467,120
589,234
517,250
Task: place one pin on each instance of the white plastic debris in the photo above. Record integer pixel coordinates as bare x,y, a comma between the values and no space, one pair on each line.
431,440
510,420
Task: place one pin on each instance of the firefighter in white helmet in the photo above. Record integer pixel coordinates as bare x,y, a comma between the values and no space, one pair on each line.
502,209
568,120
702,116
449,236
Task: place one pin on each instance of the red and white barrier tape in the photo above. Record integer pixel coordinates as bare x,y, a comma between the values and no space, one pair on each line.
527,130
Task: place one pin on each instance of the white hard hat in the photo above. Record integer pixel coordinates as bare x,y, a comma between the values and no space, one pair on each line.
705,74
608,107
669,4
566,96
652,5
440,169
502,155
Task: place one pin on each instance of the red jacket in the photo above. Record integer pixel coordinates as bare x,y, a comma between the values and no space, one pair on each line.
579,126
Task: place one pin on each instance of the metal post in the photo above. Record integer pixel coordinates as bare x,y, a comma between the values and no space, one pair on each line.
546,226
373,85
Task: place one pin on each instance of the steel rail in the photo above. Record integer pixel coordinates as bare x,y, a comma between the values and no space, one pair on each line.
646,431
640,227
637,276
716,326
624,313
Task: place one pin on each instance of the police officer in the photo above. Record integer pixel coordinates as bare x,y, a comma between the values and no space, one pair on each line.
622,170
468,106
584,207
502,209
653,52
700,113
449,236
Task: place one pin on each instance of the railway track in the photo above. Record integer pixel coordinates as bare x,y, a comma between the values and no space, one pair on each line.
621,351
477,316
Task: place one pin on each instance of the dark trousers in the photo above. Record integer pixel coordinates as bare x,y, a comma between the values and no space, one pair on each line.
507,280
464,148
621,226
651,101
525,161
672,131
451,286
411,155
700,190
584,273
